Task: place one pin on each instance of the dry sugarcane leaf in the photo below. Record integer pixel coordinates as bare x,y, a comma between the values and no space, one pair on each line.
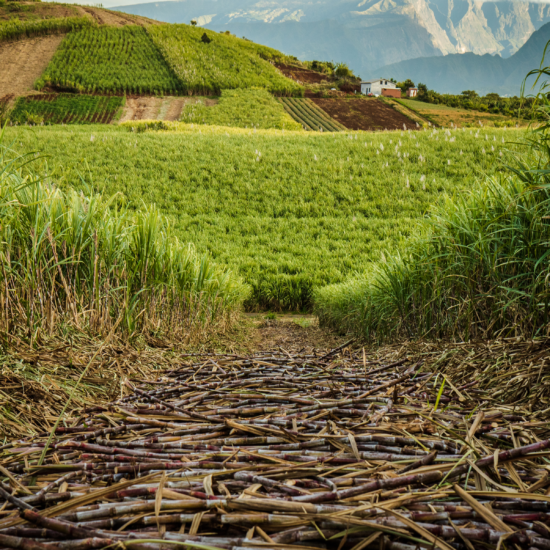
514,475
13,482
483,511
264,535
195,524
436,541
207,483
482,474
367,541
539,484
466,542
158,497
353,444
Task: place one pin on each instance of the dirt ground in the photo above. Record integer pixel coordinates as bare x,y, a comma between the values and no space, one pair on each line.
37,10
364,114
158,108
42,10
296,332
24,61
115,19
302,76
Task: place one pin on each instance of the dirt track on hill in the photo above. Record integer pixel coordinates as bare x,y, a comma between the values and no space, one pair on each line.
23,62
114,19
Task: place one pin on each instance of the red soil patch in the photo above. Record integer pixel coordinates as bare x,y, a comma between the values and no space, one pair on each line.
304,76
364,114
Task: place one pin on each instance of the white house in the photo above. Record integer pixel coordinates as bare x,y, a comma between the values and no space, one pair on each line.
377,86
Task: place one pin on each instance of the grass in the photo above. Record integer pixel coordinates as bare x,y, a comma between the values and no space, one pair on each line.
478,269
310,116
225,63
242,109
75,260
65,109
110,60
15,28
445,116
290,211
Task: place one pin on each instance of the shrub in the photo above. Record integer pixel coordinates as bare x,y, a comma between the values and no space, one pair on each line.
78,260
479,269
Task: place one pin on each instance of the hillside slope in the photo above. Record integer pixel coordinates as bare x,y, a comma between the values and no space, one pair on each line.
483,73
111,53
366,34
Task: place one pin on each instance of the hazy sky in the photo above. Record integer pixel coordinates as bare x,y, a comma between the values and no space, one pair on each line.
113,3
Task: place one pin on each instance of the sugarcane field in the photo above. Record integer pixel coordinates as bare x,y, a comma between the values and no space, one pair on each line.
251,300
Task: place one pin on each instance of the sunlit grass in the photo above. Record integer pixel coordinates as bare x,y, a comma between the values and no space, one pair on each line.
290,211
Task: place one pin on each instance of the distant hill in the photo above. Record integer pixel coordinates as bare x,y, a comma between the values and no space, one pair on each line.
366,34
482,73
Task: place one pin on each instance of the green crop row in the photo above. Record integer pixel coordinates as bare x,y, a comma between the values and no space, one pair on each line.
226,62
110,60
65,109
310,116
290,211
241,109
15,28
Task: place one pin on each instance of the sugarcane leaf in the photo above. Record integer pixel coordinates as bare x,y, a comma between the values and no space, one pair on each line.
420,530
439,394
158,497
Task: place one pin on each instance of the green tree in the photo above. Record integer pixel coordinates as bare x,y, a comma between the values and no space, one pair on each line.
343,71
470,94
194,23
405,85
205,38
422,91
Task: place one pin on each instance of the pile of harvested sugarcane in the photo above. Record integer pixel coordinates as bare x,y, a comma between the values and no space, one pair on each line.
284,450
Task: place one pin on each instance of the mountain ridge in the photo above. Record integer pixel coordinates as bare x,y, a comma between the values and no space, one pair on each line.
366,34
484,73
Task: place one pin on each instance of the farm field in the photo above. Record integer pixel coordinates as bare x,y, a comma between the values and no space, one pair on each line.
364,114
153,108
240,109
444,116
110,60
226,62
309,116
24,61
66,109
302,75
290,211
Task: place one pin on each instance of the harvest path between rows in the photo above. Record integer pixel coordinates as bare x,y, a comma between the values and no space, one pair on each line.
276,448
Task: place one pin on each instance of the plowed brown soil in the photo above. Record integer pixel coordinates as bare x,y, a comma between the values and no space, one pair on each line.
156,108
364,114
115,19
141,108
24,61
303,76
